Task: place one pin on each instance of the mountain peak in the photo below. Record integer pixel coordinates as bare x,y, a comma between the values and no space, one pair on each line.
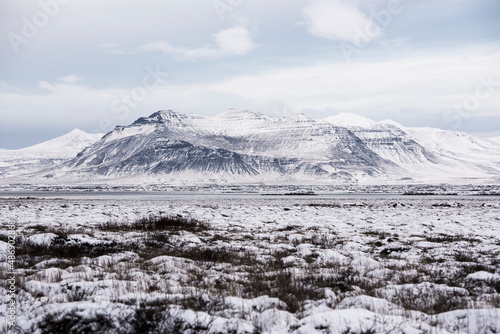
246,143
161,116
168,112
62,147
76,132
75,138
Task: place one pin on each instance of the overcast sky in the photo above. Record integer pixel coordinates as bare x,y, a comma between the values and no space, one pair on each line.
92,64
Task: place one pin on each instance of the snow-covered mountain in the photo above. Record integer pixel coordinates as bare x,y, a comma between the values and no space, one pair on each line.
471,154
427,152
494,139
350,120
234,144
393,143
46,154
247,146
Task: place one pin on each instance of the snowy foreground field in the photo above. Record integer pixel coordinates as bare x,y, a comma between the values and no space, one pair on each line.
261,265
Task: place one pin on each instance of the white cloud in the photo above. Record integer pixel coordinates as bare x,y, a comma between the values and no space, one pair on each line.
235,41
61,88
47,86
430,83
72,78
340,21
426,84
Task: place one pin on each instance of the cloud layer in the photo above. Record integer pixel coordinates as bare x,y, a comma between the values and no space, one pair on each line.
78,58
427,85
340,21
235,41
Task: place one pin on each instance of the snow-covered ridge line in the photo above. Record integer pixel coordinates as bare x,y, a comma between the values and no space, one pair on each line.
46,154
63,146
248,146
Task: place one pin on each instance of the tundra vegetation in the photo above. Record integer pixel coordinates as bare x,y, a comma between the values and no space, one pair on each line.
270,265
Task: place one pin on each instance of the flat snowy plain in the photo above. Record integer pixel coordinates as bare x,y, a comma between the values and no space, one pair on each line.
263,264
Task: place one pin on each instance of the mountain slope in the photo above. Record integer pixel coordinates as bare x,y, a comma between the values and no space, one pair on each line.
392,143
471,154
428,152
233,144
389,141
494,139
247,146
46,154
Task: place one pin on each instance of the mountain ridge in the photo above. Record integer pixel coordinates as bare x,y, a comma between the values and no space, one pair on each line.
234,142
45,154
247,145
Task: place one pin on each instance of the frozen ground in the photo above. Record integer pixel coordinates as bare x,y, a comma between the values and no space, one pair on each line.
259,265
